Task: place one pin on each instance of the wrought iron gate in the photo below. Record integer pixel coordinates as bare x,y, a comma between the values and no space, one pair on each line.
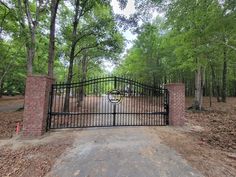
107,101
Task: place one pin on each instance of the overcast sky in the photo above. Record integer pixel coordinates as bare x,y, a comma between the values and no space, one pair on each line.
129,10
130,37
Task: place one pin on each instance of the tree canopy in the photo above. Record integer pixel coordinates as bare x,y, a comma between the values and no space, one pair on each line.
188,41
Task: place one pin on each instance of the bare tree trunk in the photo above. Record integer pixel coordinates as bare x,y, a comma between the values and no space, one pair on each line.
224,76
84,75
234,81
215,85
69,79
210,91
30,36
30,44
203,83
72,56
199,83
234,91
32,25
1,88
31,53
154,81
51,50
129,90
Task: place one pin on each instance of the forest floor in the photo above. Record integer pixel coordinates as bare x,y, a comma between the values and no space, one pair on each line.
217,125
208,141
26,158
9,116
32,158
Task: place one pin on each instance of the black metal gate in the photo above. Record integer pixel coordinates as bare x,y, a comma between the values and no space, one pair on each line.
107,101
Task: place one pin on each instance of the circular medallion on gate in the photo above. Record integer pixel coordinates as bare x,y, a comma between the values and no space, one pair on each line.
115,96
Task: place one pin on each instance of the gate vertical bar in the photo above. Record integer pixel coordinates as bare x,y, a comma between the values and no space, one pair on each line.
114,106
114,114
167,107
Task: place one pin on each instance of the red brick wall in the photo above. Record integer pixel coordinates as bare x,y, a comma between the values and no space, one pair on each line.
36,105
176,103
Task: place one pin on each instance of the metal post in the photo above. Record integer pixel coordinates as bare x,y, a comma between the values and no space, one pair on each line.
115,83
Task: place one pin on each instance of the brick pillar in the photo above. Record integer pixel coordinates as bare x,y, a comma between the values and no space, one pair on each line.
176,103
36,105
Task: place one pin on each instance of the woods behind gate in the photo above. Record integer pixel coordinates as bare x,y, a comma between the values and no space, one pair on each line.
107,101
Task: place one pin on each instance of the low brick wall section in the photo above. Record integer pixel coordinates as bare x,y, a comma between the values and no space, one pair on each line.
36,105
176,103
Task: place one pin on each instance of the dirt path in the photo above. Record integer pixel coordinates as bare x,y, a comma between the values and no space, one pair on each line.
10,104
121,151
11,108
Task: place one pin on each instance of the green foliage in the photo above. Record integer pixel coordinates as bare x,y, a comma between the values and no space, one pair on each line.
100,40
193,34
170,49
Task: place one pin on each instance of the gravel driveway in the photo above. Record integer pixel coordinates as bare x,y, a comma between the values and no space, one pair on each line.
120,152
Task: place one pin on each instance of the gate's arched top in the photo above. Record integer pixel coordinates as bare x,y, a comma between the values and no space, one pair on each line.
111,79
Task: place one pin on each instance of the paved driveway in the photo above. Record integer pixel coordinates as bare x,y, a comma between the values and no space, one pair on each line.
121,152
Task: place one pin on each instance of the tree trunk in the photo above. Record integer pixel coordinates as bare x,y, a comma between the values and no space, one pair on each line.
215,86
69,79
210,91
30,44
155,81
1,88
224,76
199,83
234,91
72,57
51,50
218,92
84,75
31,52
